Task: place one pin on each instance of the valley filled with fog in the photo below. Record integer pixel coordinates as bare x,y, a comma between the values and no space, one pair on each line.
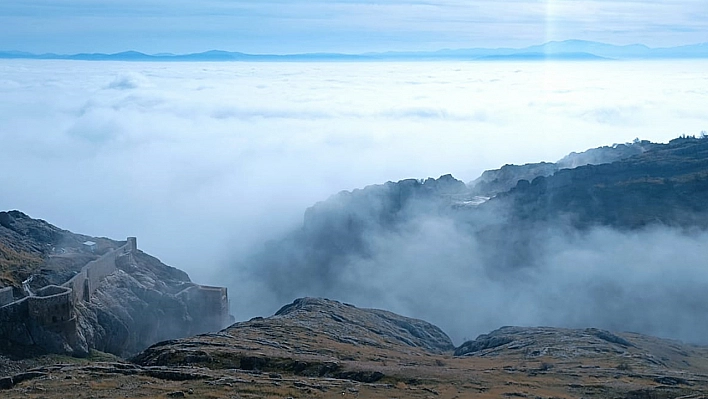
205,162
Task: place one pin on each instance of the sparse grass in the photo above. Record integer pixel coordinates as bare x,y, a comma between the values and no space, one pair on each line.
98,356
15,265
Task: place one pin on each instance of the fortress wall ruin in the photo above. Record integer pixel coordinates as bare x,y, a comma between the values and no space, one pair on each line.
52,304
16,311
98,269
209,304
6,296
85,283
77,285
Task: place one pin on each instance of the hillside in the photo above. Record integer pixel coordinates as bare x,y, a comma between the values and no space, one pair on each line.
496,181
69,293
666,185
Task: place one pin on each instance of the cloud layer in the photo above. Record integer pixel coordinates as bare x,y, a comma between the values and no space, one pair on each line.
649,281
205,161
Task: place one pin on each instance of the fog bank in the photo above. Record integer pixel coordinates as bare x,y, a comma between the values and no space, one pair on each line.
205,161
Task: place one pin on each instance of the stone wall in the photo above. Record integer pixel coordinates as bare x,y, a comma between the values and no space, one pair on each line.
85,283
77,285
6,296
55,304
132,244
52,304
16,311
208,306
98,269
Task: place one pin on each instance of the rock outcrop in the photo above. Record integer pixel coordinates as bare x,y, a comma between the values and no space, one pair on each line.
493,182
67,293
665,185
313,337
347,323
322,348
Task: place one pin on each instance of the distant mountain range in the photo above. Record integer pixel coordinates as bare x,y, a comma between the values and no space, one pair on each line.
569,50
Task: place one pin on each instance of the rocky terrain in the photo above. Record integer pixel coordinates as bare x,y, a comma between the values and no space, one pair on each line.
493,182
665,185
134,306
325,349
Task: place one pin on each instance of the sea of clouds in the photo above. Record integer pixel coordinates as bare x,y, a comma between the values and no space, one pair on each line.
205,161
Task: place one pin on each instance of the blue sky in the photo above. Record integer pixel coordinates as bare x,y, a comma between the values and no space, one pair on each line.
353,26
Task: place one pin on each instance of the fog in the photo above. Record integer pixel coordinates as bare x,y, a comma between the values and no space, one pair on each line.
650,281
204,162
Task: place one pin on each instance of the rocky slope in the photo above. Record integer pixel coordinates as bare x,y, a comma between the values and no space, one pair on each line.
314,337
493,182
134,306
317,348
665,185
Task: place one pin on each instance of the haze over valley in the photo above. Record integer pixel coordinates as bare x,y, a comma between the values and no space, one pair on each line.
206,162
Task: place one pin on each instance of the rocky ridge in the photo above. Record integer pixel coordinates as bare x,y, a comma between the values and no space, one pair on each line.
313,337
496,181
140,300
318,348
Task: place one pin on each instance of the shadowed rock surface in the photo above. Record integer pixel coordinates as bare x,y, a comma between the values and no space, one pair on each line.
496,181
311,336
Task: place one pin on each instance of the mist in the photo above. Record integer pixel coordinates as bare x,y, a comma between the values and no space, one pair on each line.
206,162
459,272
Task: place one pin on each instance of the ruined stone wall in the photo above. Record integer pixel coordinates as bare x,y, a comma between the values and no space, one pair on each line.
51,312
77,285
6,296
98,269
132,244
52,304
16,311
208,306
85,283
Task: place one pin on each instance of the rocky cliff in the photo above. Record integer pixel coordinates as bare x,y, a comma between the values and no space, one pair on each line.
109,295
665,185
493,182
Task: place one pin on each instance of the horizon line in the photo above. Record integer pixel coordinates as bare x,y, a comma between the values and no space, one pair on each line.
516,52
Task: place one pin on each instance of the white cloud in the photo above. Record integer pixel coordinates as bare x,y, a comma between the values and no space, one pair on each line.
201,160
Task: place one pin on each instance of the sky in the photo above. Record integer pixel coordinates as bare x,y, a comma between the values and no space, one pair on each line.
344,26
